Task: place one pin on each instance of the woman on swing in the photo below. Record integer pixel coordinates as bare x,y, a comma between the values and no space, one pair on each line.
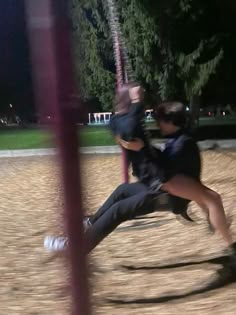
176,171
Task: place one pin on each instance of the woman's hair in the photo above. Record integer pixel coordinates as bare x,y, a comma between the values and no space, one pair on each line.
173,112
122,98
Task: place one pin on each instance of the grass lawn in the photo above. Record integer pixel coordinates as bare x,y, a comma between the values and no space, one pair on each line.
12,139
24,139
217,121
96,136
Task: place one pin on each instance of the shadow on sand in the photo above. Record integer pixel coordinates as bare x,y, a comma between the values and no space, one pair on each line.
225,276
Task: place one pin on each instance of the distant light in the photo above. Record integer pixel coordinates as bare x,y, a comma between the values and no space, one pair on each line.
187,108
223,113
11,105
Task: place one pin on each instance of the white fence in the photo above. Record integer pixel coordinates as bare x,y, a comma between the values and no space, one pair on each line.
104,117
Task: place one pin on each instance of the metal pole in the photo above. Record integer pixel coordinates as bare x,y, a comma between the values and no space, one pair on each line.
52,69
116,37
119,82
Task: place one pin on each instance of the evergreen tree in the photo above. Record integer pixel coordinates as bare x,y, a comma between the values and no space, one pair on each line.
174,47
94,63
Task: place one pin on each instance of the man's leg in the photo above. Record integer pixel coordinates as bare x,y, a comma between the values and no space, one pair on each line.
123,191
119,212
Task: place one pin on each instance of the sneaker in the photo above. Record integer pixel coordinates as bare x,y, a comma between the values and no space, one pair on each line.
230,264
223,276
232,257
86,223
55,244
59,244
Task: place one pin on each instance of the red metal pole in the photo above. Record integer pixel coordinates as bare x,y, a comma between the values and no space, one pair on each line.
119,66
52,68
119,83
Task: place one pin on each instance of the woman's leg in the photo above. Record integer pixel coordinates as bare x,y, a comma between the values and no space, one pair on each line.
188,188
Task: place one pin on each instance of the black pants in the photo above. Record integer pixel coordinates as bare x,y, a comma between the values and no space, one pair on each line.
125,203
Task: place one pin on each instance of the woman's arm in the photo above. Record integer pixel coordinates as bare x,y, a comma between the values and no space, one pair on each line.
135,145
136,98
136,94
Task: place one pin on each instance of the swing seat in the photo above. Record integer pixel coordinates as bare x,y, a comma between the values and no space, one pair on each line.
167,202
163,202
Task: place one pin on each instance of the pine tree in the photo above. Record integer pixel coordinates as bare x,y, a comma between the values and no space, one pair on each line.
195,75
94,63
172,44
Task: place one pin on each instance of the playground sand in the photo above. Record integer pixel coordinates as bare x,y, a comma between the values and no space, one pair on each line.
134,270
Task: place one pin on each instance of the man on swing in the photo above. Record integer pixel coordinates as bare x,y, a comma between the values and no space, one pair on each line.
182,166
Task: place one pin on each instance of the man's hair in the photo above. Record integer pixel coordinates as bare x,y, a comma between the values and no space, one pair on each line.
173,112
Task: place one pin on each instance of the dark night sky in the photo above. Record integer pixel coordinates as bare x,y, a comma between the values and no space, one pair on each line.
15,77
15,70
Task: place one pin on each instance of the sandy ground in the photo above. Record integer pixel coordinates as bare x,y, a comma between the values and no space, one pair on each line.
152,266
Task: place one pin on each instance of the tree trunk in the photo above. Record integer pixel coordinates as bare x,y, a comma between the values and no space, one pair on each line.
194,111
